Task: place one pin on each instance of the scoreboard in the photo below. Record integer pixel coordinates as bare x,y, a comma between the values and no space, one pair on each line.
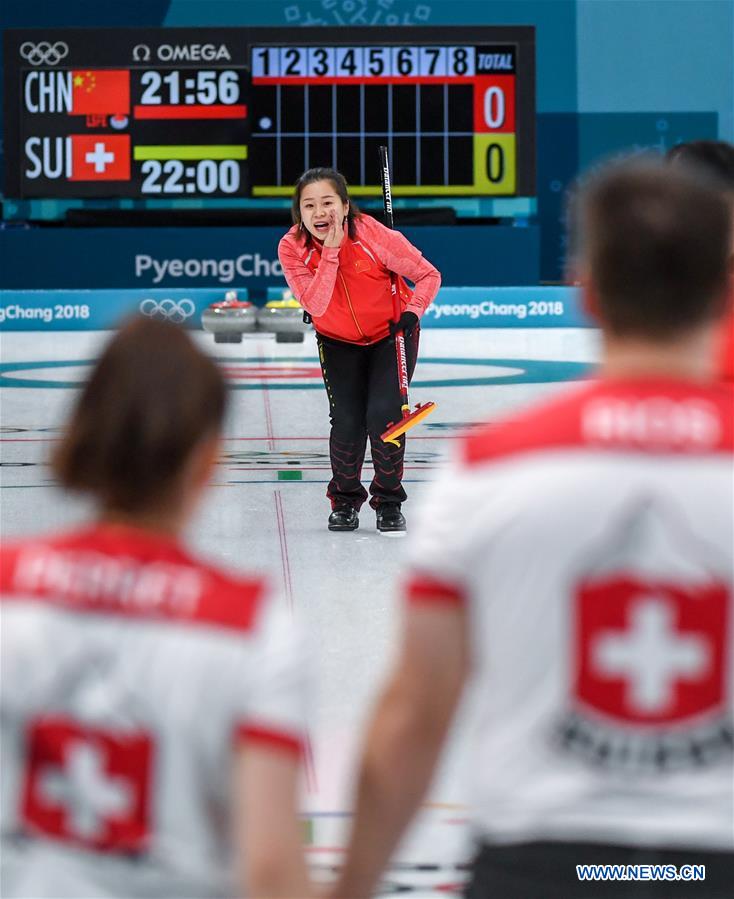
242,112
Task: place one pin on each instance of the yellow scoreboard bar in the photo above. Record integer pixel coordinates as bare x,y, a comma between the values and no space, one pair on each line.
189,151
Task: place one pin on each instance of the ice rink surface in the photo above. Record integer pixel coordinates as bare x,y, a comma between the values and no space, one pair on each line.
267,511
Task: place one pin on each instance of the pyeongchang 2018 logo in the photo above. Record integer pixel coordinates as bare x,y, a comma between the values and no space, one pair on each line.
247,265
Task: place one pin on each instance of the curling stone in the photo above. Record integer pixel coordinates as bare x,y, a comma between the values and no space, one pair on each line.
229,319
284,318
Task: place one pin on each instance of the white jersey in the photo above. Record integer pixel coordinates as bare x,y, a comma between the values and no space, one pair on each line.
591,542
130,675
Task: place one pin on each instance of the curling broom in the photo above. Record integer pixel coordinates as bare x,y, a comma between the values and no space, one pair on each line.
409,419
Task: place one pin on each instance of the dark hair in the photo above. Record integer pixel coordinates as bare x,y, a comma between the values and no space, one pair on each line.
655,240
150,400
711,158
340,186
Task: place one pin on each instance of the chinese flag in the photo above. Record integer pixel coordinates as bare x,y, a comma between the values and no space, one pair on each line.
100,92
100,157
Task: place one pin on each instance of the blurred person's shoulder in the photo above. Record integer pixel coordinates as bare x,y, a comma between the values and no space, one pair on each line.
120,570
657,416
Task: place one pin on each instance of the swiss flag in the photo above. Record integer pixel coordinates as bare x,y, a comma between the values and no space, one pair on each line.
100,157
100,92
88,786
651,651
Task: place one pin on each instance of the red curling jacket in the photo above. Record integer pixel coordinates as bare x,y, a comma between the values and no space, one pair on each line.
346,289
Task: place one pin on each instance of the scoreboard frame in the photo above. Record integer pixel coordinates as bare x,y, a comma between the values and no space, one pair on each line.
233,156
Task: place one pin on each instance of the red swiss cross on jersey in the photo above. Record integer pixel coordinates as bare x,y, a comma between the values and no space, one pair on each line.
648,650
88,786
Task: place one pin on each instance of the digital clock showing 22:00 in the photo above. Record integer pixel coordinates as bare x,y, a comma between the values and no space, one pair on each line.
224,113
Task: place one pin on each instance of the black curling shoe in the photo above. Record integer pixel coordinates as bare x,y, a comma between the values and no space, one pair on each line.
390,519
344,518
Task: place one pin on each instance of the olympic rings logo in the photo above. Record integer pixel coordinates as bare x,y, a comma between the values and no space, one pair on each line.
44,53
170,310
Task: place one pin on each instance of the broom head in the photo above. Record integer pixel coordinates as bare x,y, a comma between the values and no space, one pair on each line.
409,420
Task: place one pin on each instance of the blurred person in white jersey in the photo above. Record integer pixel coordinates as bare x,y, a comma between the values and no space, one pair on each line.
152,704
574,564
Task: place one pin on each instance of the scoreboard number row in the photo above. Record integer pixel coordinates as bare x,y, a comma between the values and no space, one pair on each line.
362,62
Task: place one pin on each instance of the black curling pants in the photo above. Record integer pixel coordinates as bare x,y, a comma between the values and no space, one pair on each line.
364,398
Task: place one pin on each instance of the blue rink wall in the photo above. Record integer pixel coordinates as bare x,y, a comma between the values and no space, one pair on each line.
176,258
454,307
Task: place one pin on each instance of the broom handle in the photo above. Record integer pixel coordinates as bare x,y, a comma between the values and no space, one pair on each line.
399,336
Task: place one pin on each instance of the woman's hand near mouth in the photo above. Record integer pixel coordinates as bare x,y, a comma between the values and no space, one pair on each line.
335,234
